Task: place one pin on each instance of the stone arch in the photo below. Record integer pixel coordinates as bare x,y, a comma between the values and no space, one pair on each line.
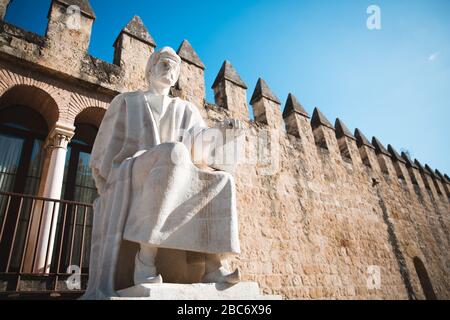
91,115
413,251
33,97
10,79
87,123
424,279
86,108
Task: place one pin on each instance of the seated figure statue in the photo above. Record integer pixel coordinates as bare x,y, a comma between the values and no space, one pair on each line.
155,188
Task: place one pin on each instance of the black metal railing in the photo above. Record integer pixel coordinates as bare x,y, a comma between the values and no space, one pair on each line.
44,245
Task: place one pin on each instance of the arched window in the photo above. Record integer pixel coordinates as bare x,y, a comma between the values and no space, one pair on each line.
22,133
78,184
424,279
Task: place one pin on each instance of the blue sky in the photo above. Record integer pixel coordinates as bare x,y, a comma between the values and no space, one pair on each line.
392,83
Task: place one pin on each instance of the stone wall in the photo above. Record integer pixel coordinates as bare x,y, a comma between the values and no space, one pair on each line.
333,209
313,229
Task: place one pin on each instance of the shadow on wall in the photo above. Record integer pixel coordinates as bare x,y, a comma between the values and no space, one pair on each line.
424,279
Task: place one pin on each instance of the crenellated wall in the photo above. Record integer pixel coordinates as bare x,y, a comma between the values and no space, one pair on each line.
313,225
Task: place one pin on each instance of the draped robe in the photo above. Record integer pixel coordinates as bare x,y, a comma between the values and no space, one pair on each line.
151,192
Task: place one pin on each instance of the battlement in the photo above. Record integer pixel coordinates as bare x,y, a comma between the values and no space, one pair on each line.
64,51
339,181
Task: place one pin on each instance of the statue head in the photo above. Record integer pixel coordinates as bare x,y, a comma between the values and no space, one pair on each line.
163,68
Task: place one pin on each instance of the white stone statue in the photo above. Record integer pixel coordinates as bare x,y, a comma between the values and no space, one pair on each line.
152,193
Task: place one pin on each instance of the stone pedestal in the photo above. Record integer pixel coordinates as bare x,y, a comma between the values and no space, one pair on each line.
195,291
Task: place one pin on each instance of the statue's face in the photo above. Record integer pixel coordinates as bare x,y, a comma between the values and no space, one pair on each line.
165,72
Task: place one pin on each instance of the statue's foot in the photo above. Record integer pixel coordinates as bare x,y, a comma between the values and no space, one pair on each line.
221,275
145,274
149,280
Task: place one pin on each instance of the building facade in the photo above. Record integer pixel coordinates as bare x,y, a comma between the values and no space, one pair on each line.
331,215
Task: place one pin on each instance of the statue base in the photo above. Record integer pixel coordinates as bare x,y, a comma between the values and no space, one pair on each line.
195,291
